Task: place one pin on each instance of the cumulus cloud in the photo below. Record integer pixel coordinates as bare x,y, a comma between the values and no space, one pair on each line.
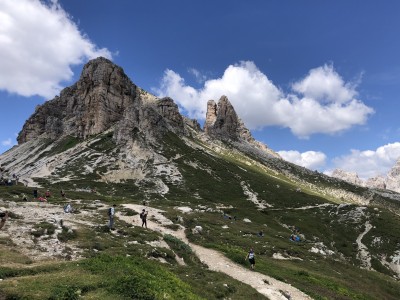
323,84
369,163
309,159
321,102
38,44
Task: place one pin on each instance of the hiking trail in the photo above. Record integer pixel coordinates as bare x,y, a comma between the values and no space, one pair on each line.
363,253
265,285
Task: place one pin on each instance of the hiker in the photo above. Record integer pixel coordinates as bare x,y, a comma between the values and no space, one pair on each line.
68,208
111,213
62,194
4,217
35,193
47,194
295,238
143,216
42,199
252,260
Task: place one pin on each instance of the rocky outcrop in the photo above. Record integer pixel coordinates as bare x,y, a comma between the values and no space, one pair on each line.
211,116
378,182
192,124
103,97
393,178
223,122
86,108
350,177
167,108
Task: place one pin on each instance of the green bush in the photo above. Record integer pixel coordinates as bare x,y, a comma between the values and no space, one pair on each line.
65,292
43,228
66,234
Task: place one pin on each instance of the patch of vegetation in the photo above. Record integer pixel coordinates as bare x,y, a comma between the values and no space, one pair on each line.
43,228
104,143
66,234
182,249
61,145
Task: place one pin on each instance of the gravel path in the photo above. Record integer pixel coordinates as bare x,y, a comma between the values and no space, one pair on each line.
265,285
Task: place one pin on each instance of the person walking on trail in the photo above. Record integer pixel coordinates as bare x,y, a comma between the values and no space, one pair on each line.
250,255
111,214
143,216
4,217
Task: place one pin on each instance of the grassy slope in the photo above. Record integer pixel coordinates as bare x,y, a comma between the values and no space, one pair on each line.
113,269
330,277
217,181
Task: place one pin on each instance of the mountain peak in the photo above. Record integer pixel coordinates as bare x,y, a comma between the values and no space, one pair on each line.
222,121
100,70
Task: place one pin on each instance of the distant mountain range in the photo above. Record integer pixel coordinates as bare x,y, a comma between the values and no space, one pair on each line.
391,181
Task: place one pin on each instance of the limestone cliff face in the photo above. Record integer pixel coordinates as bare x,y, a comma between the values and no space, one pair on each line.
350,177
104,96
393,178
378,182
223,122
211,116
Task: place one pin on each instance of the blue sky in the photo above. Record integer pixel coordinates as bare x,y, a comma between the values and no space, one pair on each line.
317,81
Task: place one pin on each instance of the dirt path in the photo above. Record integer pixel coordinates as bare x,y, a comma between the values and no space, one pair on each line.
265,285
363,253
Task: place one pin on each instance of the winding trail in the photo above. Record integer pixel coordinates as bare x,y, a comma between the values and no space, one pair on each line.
265,285
363,253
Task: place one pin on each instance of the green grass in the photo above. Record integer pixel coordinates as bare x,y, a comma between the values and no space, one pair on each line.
216,181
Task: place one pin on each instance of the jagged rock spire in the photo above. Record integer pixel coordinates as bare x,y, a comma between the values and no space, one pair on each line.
223,122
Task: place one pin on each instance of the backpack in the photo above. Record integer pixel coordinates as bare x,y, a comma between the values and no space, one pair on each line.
141,215
109,211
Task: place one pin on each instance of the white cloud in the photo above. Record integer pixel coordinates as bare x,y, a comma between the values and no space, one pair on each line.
7,142
309,159
38,45
323,84
200,77
369,163
321,102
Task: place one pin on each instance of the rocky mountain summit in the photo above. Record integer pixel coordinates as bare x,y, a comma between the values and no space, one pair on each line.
103,97
223,122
